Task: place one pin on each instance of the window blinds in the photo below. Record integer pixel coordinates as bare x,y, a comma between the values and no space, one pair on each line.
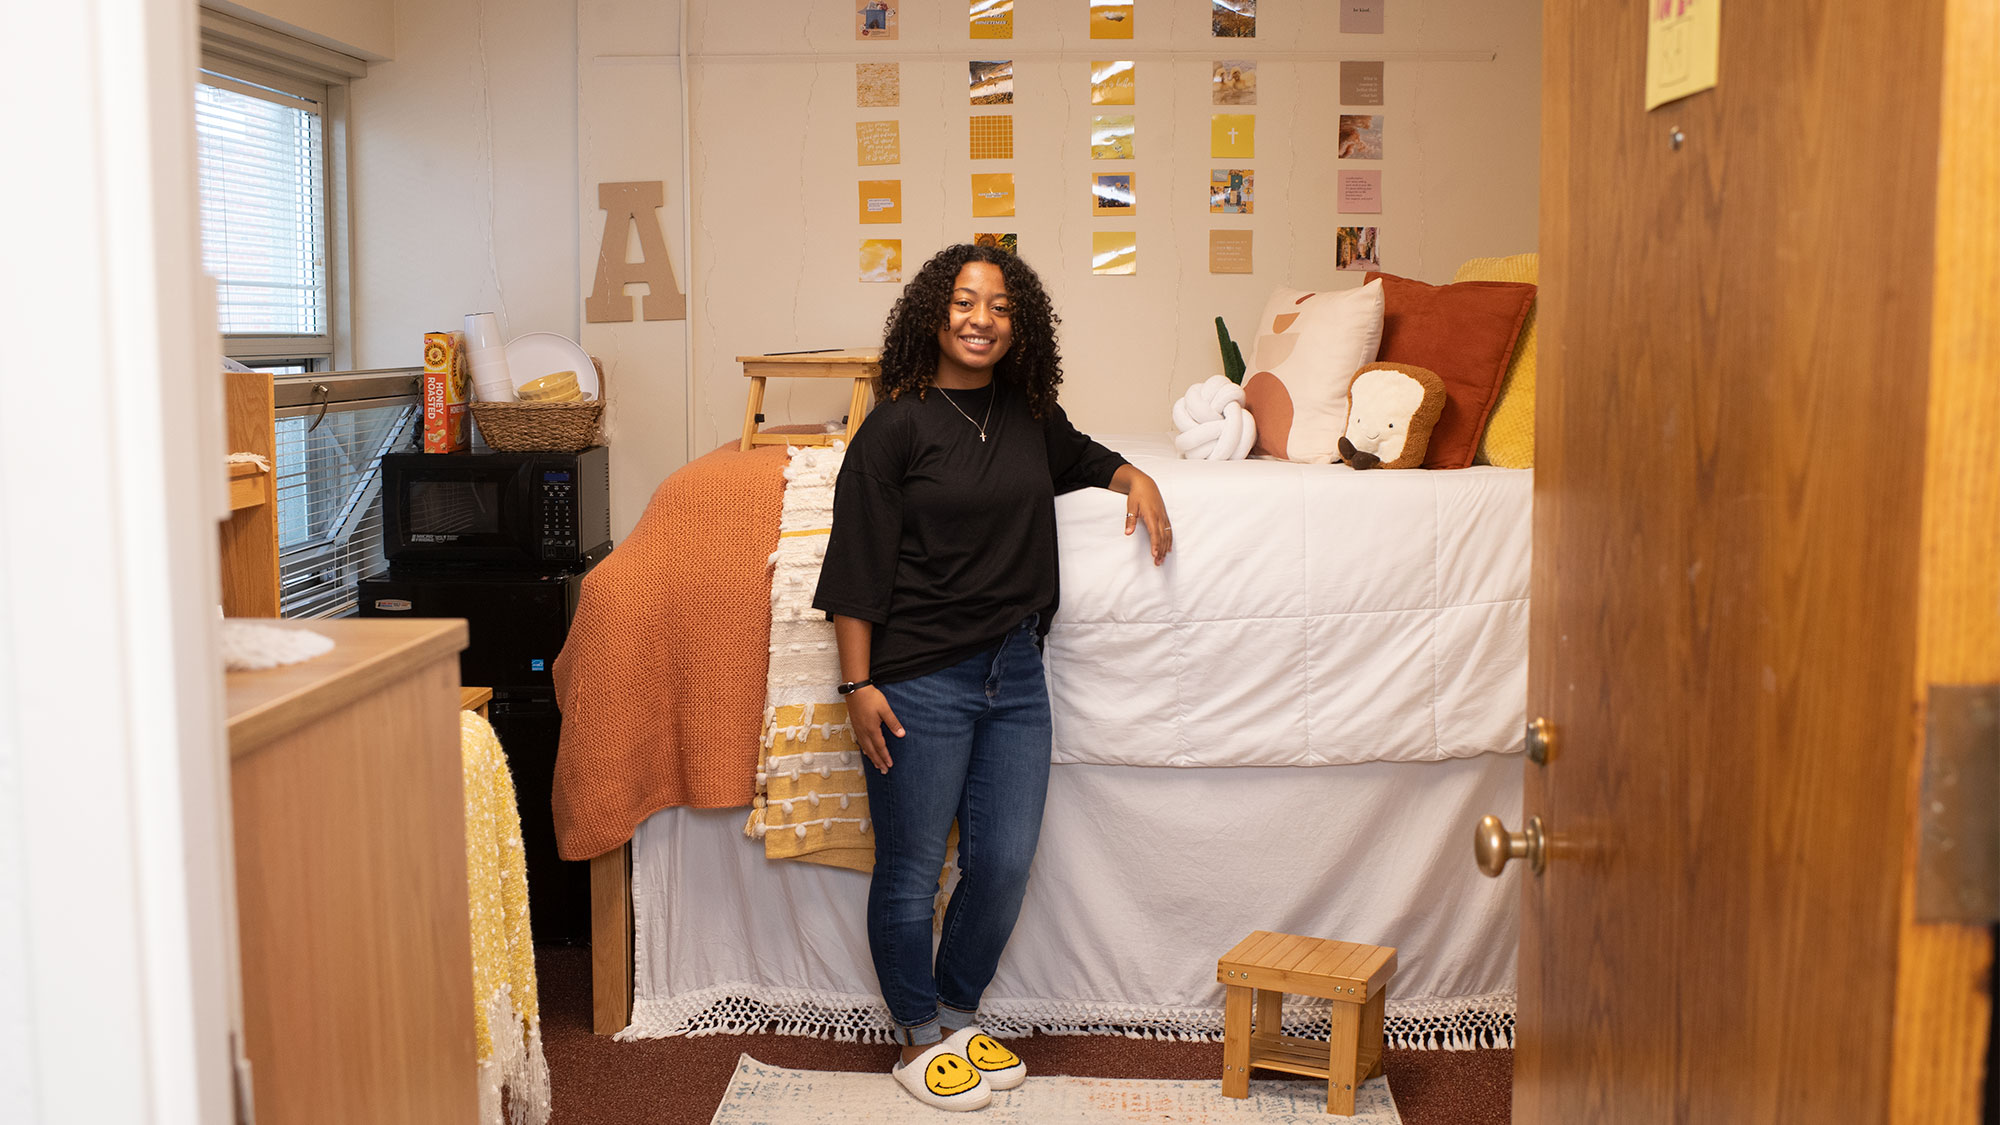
330,503
263,207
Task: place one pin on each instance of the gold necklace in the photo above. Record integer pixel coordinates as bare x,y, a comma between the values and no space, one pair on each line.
981,426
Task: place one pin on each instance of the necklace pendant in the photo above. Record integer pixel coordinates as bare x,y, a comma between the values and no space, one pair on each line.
982,435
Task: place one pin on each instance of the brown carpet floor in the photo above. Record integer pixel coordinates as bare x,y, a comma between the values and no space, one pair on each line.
680,1081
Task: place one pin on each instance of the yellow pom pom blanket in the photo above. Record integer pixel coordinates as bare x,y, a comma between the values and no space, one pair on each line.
505,1012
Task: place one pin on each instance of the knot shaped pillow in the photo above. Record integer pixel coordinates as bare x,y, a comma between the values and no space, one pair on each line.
1391,410
1213,424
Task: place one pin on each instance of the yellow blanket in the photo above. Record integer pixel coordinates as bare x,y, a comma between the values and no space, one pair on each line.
506,1014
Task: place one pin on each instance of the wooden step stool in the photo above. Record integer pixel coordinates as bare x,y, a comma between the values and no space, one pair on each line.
1268,965
862,365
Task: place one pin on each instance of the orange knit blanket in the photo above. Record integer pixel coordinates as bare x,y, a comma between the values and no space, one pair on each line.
662,680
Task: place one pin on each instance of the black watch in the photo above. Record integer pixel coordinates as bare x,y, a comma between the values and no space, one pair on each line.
853,686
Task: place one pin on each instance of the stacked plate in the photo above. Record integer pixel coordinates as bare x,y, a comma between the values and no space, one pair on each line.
550,367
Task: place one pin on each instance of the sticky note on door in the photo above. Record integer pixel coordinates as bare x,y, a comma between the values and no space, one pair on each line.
1683,48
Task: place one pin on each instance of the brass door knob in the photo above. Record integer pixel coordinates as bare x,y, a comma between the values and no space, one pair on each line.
1493,845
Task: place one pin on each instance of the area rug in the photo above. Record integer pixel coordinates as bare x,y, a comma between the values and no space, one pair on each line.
771,1095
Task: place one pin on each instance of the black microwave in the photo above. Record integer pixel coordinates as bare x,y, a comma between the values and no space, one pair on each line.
537,511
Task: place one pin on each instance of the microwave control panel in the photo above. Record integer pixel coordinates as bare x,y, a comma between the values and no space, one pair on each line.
558,522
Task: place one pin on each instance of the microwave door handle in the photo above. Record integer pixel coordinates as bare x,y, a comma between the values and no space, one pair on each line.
519,510
395,517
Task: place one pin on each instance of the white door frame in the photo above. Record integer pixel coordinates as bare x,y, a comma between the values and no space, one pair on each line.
118,985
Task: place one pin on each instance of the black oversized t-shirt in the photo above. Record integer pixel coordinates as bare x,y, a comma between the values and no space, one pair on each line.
946,542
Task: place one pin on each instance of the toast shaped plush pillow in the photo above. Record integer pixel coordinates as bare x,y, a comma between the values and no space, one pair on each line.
1391,410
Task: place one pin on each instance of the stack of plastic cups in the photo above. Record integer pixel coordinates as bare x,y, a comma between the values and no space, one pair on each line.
487,353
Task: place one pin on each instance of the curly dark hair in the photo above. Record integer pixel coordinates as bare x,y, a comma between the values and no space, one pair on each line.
910,336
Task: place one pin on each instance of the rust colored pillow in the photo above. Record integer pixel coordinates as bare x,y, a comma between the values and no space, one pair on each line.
1464,332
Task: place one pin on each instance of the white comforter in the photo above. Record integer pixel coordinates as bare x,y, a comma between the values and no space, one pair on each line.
1308,615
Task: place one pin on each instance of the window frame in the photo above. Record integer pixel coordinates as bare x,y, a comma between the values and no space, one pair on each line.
250,60
310,396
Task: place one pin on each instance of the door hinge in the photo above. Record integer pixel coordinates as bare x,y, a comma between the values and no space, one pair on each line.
1958,851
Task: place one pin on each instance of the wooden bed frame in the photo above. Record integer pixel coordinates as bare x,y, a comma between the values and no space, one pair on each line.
611,936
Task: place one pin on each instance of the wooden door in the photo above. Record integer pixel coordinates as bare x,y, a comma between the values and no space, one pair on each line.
1765,520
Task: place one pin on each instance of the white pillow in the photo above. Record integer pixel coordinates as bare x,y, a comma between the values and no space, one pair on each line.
1309,345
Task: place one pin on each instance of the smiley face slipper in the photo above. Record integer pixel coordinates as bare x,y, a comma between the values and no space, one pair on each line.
1002,1069
944,1078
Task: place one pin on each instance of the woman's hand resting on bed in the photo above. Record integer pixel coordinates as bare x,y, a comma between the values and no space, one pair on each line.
1143,504
868,709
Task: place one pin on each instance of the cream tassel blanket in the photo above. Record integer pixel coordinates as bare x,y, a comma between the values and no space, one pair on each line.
506,1015
812,801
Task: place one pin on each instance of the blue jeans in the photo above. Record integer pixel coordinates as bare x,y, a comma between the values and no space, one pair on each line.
977,750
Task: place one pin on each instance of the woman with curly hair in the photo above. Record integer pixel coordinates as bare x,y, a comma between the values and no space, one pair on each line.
940,579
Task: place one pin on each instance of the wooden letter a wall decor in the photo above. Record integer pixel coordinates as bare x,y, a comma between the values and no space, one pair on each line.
625,204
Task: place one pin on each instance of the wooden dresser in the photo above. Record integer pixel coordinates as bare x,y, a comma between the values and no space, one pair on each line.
348,797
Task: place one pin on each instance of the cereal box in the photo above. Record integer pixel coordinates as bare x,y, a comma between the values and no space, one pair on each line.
446,381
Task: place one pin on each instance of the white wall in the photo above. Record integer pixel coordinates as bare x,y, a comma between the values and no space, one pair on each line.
477,150
776,232
365,29
464,175
476,156
629,129
116,940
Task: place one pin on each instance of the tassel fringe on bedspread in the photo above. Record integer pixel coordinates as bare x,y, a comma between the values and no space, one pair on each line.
1461,1023
812,801
513,1073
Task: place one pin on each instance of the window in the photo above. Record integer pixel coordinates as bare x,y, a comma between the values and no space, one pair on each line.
262,169
332,432
270,142
270,134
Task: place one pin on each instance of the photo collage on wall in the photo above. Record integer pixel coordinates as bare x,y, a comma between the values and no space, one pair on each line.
1113,139
1357,187
878,142
876,19
1232,139
990,129
1114,83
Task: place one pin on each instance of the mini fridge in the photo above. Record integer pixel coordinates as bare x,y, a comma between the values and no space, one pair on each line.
516,623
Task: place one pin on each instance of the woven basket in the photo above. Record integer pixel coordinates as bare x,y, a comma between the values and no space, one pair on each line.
542,427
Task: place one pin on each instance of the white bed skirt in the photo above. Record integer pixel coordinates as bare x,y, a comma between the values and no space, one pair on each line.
1144,877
